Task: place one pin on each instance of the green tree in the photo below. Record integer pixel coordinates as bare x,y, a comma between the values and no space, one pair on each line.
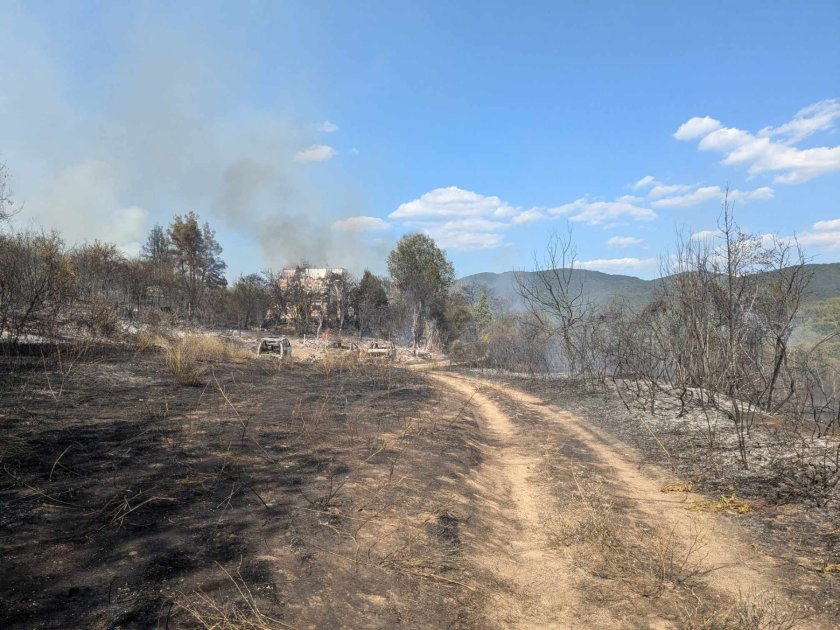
423,275
197,258
157,254
251,297
453,316
370,302
482,316
156,250
299,298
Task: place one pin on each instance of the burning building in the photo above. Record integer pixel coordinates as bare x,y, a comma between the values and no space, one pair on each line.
317,291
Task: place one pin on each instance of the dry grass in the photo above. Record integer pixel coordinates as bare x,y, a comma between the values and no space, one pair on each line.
241,614
182,360
187,356
147,340
680,486
337,362
609,545
731,504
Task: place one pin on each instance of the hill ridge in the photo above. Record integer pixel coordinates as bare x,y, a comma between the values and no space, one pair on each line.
601,287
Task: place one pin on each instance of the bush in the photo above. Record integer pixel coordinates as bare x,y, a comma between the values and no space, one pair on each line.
36,283
472,354
102,318
146,340
185,355
182,360
338,362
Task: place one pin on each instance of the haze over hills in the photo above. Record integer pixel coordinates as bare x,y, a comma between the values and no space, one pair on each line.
600,288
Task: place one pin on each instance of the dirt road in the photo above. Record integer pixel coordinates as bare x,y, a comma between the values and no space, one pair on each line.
680,564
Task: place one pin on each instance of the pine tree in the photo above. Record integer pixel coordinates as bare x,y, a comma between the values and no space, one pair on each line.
197,259
482,316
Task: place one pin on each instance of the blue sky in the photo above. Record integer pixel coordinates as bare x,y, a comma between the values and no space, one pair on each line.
325,130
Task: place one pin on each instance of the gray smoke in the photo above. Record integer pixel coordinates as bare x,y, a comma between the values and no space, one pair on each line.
158,129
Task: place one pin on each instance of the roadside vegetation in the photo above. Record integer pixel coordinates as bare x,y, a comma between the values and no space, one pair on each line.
726,378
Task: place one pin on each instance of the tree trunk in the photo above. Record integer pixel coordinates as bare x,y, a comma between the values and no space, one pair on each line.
415,327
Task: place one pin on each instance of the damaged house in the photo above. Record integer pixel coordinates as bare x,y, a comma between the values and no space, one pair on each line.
312,295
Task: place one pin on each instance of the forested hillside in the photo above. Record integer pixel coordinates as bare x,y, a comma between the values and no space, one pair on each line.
600,288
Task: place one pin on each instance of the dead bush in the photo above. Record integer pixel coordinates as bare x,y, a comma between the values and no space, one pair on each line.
595,521
610,546
755,610
102,318
472,354
667,559
242,613
156,318
813,474
37,283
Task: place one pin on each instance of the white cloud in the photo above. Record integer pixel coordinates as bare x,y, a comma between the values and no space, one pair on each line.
825,235
660,190
828,225
453,202
451,237
647,180
623,241
610,265
599,212
696,128
360,224
629,199
809,120
462,219
656,188
466,234
528,216
705,235
315,153
826,240
473,225
706,193
328,127
761,154
745,196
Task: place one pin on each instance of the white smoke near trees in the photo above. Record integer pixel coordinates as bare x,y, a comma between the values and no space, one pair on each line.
159,130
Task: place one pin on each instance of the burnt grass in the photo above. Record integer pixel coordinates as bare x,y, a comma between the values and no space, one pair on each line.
803,535
283,491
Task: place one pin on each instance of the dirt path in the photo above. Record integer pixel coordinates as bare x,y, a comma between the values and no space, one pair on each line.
539,584
534,581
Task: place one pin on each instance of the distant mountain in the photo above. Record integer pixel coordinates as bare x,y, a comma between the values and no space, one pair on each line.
600,288
825,282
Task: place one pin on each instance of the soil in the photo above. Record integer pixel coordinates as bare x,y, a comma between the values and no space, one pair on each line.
727,562
325,499
336,494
